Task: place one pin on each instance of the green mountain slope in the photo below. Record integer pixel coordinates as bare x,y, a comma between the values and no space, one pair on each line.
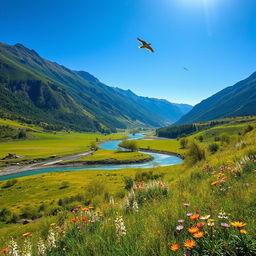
73,99
237,100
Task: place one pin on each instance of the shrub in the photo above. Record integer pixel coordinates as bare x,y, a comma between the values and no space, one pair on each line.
213,148
195,153
129,144
248,128
128,182
225,138
146,176
183,143
94,146
10,183
64,184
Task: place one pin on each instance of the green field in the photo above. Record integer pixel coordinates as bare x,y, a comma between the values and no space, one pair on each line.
111,155
164,145
45,145
152,228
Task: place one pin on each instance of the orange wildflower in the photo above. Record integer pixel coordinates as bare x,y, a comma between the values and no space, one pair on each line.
74,220
214,183
193,230
174,247
198,234
84,219
194,217
91,207
238,224
86,209
189,244
5,250
27,234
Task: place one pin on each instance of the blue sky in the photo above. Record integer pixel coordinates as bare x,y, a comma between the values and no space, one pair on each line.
214,39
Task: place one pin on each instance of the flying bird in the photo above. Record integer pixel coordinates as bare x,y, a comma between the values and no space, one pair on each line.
185,68
145,45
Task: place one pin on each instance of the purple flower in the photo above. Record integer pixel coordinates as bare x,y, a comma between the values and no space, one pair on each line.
189,214
180,221
179,227
186,205
225,225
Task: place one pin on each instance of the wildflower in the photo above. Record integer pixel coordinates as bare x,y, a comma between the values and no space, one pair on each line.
27,248
93,221
120,227
111,201
86,209
5,250
238,224
79,206
214,183
135,206
243,231
179,227
13,246
27,234
53,224
74,220
206,217
186,204
222,215
200,224
189,244
180,221
210,222
189,214
84,219
198,235
174,247
91,207
51,239
225,225
194,217
41,247
193,230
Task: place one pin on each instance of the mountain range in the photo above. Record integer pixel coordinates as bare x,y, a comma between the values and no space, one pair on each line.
36,90
236,100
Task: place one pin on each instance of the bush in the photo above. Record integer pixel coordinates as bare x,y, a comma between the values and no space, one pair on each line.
225,138
195,153
248,129
146,176
64,184
129,182
129,144
94,146
96,192
183,143
213,148
10,183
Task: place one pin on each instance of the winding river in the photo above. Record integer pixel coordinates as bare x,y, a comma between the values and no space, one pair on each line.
159,160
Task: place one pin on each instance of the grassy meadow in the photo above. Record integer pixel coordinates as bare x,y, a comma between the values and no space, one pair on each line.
205,206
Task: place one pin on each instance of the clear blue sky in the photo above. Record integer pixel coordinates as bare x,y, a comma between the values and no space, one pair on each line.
215,39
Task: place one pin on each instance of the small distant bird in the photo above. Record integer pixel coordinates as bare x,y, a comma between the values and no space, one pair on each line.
145,45
185,68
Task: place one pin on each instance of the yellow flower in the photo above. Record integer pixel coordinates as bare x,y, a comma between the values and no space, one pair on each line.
27,234
243,231
238,224
53,224
206,217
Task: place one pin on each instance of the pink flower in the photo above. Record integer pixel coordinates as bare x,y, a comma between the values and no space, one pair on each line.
189,214
179,227
186,204
180,221
225,225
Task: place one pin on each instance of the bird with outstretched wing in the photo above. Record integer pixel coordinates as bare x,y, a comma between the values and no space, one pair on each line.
145,45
